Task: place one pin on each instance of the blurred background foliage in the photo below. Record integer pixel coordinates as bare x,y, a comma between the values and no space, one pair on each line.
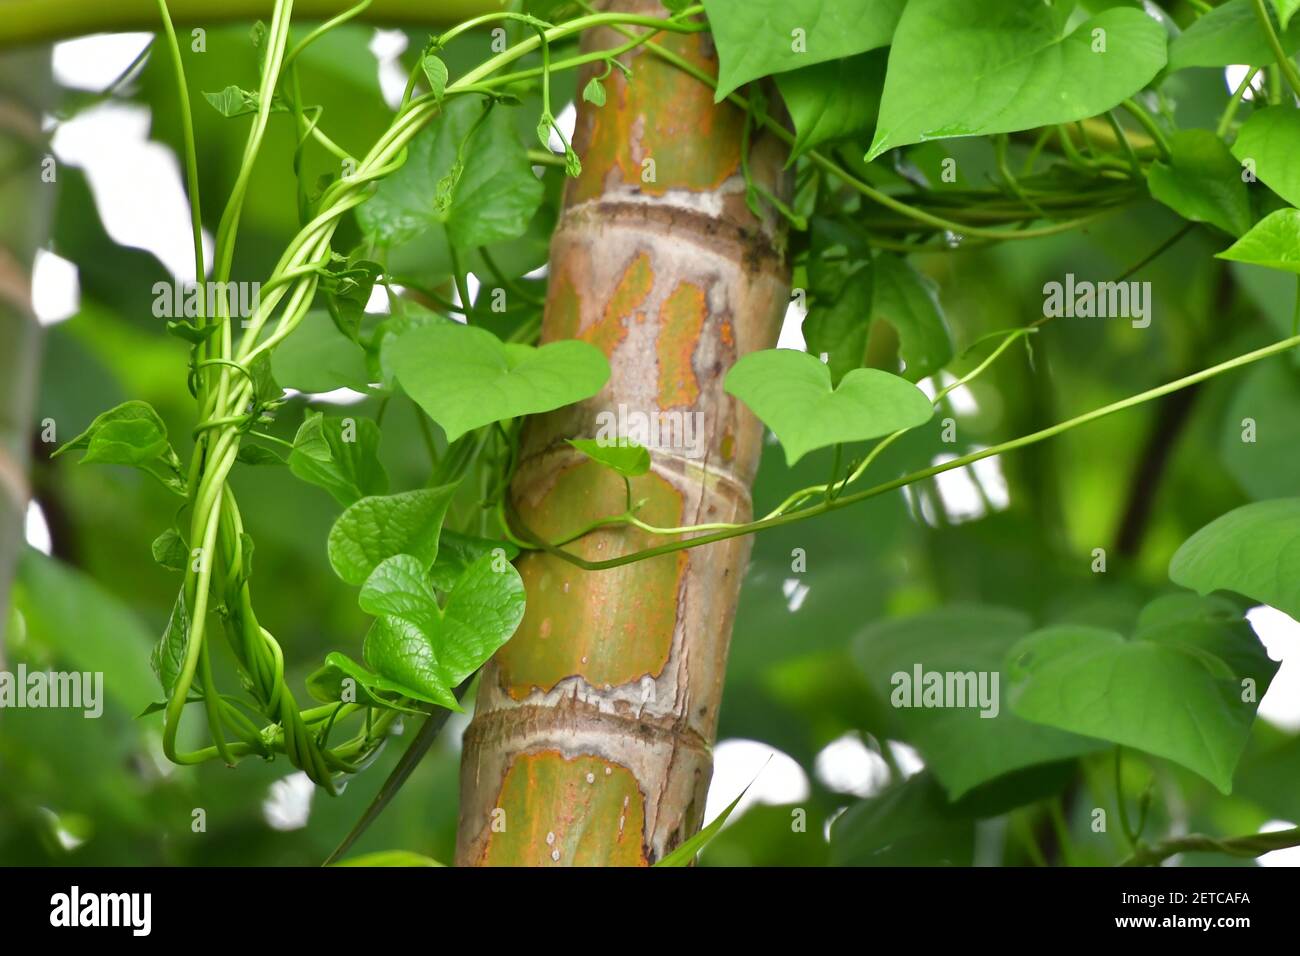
1017,534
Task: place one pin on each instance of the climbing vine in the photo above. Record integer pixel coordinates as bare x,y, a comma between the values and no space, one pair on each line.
1076,126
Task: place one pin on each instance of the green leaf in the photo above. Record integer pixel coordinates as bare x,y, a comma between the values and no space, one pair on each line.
1202,182
88,627
348,286
170,550
1228,34
1253,550
387,333
1270,140
791,393
961,746
131,434
328,685
685,854
376,528
465,377
1266,466
191,334
168,657
1286,10
492,198
910,824
757,38
838,324
456,552
340,455
1175,690
390,858
317,357
435,71
593,93
257,455
266,390
972,67
909,302
1273,242
431,649
233,101
833,101
626,457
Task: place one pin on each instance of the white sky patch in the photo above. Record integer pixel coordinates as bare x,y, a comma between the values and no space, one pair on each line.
288,803
908,760
847,765
136,183
472,286
93,62
1288,857
566,120
56,288
1280,635
970,490
1233,75
776,778
36,529
338,396
795,592
791,336
387,46
379,302
961,398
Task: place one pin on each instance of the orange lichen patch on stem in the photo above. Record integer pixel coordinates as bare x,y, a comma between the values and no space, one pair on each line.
666,116
681,320
632,289
598,816
610,628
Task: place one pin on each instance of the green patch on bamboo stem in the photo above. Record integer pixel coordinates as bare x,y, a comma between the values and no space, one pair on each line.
598,815
610,629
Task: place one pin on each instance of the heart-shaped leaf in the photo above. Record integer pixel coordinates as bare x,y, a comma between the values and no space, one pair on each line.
456,552
430,649
791,393
170,550
131,434
1273,242
492,198
168,657
834,100
465,377
625,456
1269,396
967,745
1202,182
1228,34
340,455
1177,689
374,529
1270,141
343,679
972,67
317,357
1253,550
757,38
